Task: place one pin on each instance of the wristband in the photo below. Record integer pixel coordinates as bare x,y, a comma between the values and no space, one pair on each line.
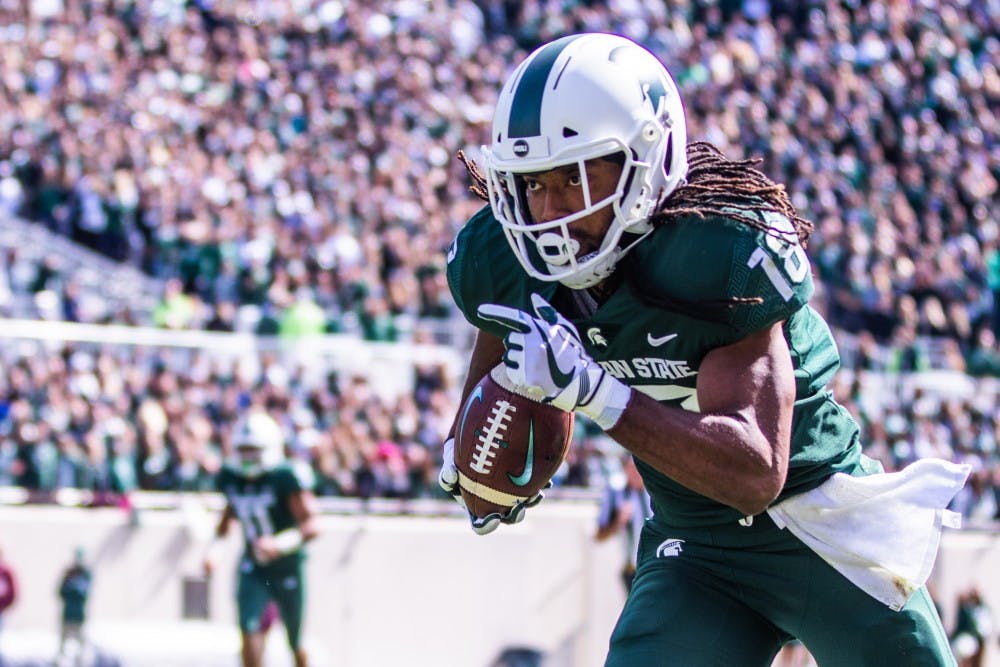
288,540
606,403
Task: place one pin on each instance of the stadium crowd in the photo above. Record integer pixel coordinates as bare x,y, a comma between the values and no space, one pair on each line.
289,168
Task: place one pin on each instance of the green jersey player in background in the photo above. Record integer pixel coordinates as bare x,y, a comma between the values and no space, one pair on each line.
662,290
273,502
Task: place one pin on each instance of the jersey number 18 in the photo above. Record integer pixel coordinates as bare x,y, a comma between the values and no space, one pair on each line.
794,260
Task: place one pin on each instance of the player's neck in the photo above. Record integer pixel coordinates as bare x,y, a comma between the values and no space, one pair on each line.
603,290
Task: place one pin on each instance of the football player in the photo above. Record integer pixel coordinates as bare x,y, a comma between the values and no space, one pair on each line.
661,290
272,499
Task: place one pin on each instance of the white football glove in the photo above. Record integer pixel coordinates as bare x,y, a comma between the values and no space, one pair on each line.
448,481
546,360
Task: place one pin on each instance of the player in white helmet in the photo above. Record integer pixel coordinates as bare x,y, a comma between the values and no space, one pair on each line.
687,272
273,502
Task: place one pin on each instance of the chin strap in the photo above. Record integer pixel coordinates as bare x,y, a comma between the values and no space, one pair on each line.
588,276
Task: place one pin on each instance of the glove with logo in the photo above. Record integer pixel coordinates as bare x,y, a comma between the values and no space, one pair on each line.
448,481
547,361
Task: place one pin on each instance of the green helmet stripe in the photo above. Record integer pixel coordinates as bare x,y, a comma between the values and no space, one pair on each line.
526,108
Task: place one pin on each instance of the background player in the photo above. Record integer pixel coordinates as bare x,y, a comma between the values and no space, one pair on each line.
624,509
710,368
74,591
273,502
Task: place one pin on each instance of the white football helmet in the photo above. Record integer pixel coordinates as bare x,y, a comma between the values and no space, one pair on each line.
258,444
574,99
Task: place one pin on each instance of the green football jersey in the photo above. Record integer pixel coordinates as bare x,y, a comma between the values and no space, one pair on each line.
691,286
261,503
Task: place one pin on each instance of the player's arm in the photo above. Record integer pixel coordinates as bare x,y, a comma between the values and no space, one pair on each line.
221,530
302,504
487,351
304,509
736,449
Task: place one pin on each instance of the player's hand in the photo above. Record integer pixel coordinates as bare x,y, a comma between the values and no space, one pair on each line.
449,482
265,550
546,360
448,475
544,356
208,566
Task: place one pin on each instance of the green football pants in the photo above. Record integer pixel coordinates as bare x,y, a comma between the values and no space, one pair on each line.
284,583
731,596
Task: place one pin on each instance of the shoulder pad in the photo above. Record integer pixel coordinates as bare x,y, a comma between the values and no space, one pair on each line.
482,269
724,270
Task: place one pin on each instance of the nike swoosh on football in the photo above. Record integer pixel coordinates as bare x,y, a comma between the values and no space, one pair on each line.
477,395
529,460
656,342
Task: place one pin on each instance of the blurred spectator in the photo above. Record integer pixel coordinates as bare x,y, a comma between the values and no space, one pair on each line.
979,501
270,168
249,153
176,309
302,317
973,628
984,357
625,506
8,589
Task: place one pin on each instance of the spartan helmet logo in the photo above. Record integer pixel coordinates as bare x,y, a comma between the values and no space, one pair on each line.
637,62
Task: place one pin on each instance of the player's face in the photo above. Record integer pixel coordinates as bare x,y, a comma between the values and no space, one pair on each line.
250,459
557,193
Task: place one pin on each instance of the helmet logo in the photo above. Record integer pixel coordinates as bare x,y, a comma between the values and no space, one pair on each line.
653,87
521,148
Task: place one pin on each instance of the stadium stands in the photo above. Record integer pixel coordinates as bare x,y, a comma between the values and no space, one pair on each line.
275,168
189,187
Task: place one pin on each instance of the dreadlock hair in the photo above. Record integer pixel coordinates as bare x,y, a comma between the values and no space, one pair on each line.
718,186
478,186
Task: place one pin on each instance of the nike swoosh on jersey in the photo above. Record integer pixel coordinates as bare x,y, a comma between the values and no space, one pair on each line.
656,342
529,460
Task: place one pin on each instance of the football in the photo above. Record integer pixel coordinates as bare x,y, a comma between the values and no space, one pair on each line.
507,446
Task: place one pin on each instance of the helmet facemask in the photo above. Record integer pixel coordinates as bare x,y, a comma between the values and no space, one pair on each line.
250,460
549,247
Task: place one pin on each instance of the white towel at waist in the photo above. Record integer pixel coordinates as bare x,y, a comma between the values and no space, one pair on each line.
882,531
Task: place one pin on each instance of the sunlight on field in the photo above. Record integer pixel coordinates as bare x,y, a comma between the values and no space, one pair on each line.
181,644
